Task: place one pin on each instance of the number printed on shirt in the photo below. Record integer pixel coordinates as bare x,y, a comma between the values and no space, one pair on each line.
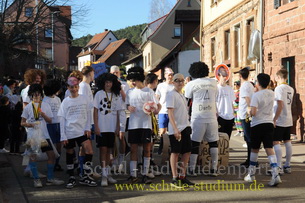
206,95
289,98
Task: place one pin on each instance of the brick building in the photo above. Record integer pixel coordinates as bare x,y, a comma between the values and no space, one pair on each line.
284,46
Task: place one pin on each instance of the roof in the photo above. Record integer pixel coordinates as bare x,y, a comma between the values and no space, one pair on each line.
97,38
132,59
110,49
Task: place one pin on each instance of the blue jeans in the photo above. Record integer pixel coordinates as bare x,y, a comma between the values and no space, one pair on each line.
247,130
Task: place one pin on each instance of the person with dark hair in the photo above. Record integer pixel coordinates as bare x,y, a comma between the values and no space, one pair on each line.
203,91
5,114
37,115
151,81
246,92
262,129
51,88
8,89
107,106
75,127
16,129
283,119
140,124
225,99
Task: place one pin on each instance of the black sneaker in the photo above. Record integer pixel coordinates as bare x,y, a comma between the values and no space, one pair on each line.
176,184
146,180
86,180
186,181
71,183
132,179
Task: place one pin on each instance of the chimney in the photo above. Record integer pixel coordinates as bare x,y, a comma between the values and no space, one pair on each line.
106,30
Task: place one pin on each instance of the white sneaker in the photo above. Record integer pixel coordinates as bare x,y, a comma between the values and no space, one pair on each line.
4,151
241,134
249,178
111,180
104,182
150,175
37,183
287,169
245,145
275,180
55,182
157,173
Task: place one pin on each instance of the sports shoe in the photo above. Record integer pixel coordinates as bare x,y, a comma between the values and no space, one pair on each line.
249,178
71,183
150,175
192,173
87,180
275,180
37,183
176,184
111,180
4,151
241,134
287,169
54,182
213,173
132,179
245,145
186,181
120,169
145,180
156,173
104,182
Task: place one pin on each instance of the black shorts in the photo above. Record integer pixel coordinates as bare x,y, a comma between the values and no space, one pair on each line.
79,140
139,136
47,148
281,133
105,140
185,144
262,133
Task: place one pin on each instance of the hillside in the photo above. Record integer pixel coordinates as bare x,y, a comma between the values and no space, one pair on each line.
131,32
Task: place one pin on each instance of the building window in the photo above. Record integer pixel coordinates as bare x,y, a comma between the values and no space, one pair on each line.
148,60
145,61
227,45
249,29
48,32
213,53
237,47
177,32
48,53
278,3
28,12
289,64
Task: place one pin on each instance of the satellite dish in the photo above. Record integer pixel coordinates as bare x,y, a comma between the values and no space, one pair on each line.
254,46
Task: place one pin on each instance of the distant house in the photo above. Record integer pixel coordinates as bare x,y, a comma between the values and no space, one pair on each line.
106,48
163,35
137,60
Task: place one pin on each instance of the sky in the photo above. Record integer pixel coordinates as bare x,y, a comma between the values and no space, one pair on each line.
110,14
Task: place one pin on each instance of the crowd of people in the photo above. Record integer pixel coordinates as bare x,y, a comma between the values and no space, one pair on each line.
121,116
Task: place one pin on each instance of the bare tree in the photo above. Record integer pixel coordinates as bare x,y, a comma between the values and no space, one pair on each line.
159,8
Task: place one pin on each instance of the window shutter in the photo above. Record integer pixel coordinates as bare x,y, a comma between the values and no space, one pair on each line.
277,3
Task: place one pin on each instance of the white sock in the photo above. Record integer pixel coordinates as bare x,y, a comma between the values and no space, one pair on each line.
253,160
133,168
288,146
214,157
253,157
140,153
193,161
121,158
278,153
146,165
105,172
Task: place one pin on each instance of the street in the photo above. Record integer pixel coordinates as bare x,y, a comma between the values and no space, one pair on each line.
17,188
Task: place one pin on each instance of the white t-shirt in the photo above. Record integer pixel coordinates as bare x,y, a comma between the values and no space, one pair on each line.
284,93
246,90
24,95
54,104
107,117
137,98
203,91
225,100
161,91
263,101
125,87
28,114
75,117
85,89
178,102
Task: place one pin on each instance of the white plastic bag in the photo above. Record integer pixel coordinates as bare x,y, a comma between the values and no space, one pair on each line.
35,139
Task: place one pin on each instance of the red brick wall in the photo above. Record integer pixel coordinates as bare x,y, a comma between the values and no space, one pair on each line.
284,36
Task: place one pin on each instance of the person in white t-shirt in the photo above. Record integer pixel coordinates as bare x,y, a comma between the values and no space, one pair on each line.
262,128
75,127
225,99
78,74
283,119
115,70
161,92
140,124
245,94
203,91
50,89
107,106
36,115
179,131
